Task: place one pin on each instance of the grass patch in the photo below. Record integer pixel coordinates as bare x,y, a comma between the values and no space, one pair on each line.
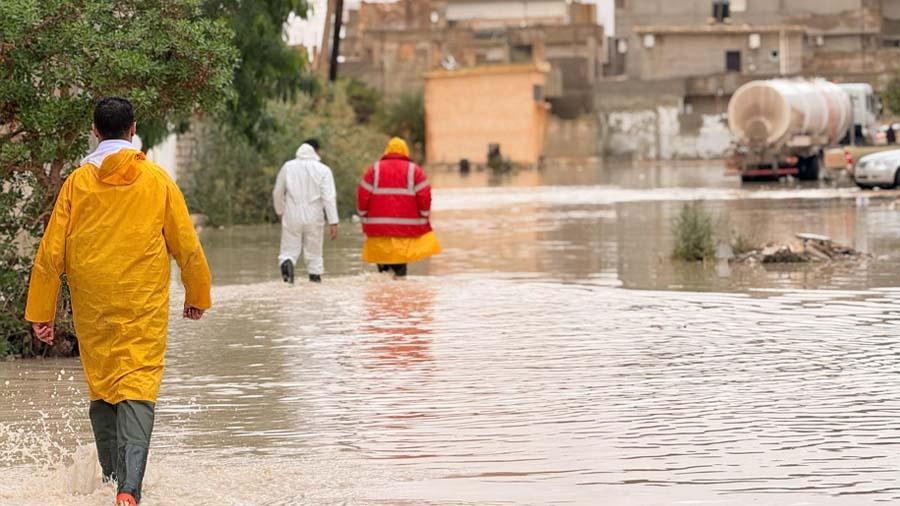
694,236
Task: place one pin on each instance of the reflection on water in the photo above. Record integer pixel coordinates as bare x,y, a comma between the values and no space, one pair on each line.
401,315
518,371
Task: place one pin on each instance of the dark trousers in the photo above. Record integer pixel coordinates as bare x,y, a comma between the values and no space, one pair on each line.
398,269
122,432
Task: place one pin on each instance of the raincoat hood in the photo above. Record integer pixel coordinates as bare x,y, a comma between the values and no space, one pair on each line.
114,162
121,168
397,146
306,152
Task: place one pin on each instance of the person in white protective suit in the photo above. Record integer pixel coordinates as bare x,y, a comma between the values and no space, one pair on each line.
305,199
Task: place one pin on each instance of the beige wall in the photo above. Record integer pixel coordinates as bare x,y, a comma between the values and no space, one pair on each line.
468,109
687,55
832,18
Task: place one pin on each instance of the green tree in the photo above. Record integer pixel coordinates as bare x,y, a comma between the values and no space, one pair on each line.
269,69
405,118
56,58
365,100
892,95
231,181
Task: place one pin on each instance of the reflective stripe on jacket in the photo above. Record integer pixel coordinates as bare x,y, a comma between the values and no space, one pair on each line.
394,199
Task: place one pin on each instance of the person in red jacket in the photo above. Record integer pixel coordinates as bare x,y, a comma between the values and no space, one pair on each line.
394,203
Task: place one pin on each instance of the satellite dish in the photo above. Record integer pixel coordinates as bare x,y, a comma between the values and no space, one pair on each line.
449,62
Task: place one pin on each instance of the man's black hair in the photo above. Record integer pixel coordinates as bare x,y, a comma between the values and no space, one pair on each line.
113,117
312,142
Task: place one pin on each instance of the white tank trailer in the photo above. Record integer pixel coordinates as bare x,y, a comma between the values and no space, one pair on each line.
781,126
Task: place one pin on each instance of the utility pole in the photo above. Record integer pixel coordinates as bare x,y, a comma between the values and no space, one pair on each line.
324,55
336,40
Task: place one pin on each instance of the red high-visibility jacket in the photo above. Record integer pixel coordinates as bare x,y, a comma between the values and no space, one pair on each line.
394,199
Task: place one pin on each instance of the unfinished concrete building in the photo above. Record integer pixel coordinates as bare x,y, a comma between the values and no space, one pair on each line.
391,46
695,53
841,36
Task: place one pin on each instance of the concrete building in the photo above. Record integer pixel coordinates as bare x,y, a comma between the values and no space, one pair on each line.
703,50
469,109
392,45
693,54
505,13
890,23
832,29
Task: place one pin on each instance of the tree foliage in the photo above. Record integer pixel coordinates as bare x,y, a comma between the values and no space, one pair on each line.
269,69
405,118
57,57
365,100
231,182
892,95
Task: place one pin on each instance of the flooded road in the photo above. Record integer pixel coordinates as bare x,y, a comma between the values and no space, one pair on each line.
613,227
552,355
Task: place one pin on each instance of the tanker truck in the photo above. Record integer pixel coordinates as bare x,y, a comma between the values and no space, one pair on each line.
781,126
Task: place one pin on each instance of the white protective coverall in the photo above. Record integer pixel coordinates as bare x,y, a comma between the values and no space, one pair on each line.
304,197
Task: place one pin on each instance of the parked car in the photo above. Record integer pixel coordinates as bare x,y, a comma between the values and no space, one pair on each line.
878,169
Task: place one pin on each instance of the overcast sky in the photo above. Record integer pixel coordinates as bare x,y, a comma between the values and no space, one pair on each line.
309,32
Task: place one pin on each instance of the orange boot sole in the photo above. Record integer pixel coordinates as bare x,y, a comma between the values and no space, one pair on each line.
125,499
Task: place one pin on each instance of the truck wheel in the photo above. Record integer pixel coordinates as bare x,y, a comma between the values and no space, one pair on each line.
808,168
896,179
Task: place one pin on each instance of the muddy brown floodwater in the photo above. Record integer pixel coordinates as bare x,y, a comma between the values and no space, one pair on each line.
552,355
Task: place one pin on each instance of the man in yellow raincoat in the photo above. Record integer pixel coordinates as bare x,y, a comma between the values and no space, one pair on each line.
394,204
117,219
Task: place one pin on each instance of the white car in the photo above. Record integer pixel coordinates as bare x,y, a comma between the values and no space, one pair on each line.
878,169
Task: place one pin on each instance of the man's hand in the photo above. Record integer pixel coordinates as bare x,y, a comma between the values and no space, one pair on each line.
332,231
192,313
44,332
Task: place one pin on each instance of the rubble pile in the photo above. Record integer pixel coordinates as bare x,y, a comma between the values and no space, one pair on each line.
810,248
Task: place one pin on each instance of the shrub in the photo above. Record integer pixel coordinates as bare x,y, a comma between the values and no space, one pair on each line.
365,100
405,118
892,95
693,233
231,181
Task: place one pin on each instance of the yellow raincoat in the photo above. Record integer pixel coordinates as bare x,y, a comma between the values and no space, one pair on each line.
111,234
400,250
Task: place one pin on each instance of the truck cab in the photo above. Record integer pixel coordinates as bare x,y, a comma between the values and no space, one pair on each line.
866,110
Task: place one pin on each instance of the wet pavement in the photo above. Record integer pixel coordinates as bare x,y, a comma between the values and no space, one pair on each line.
553,354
